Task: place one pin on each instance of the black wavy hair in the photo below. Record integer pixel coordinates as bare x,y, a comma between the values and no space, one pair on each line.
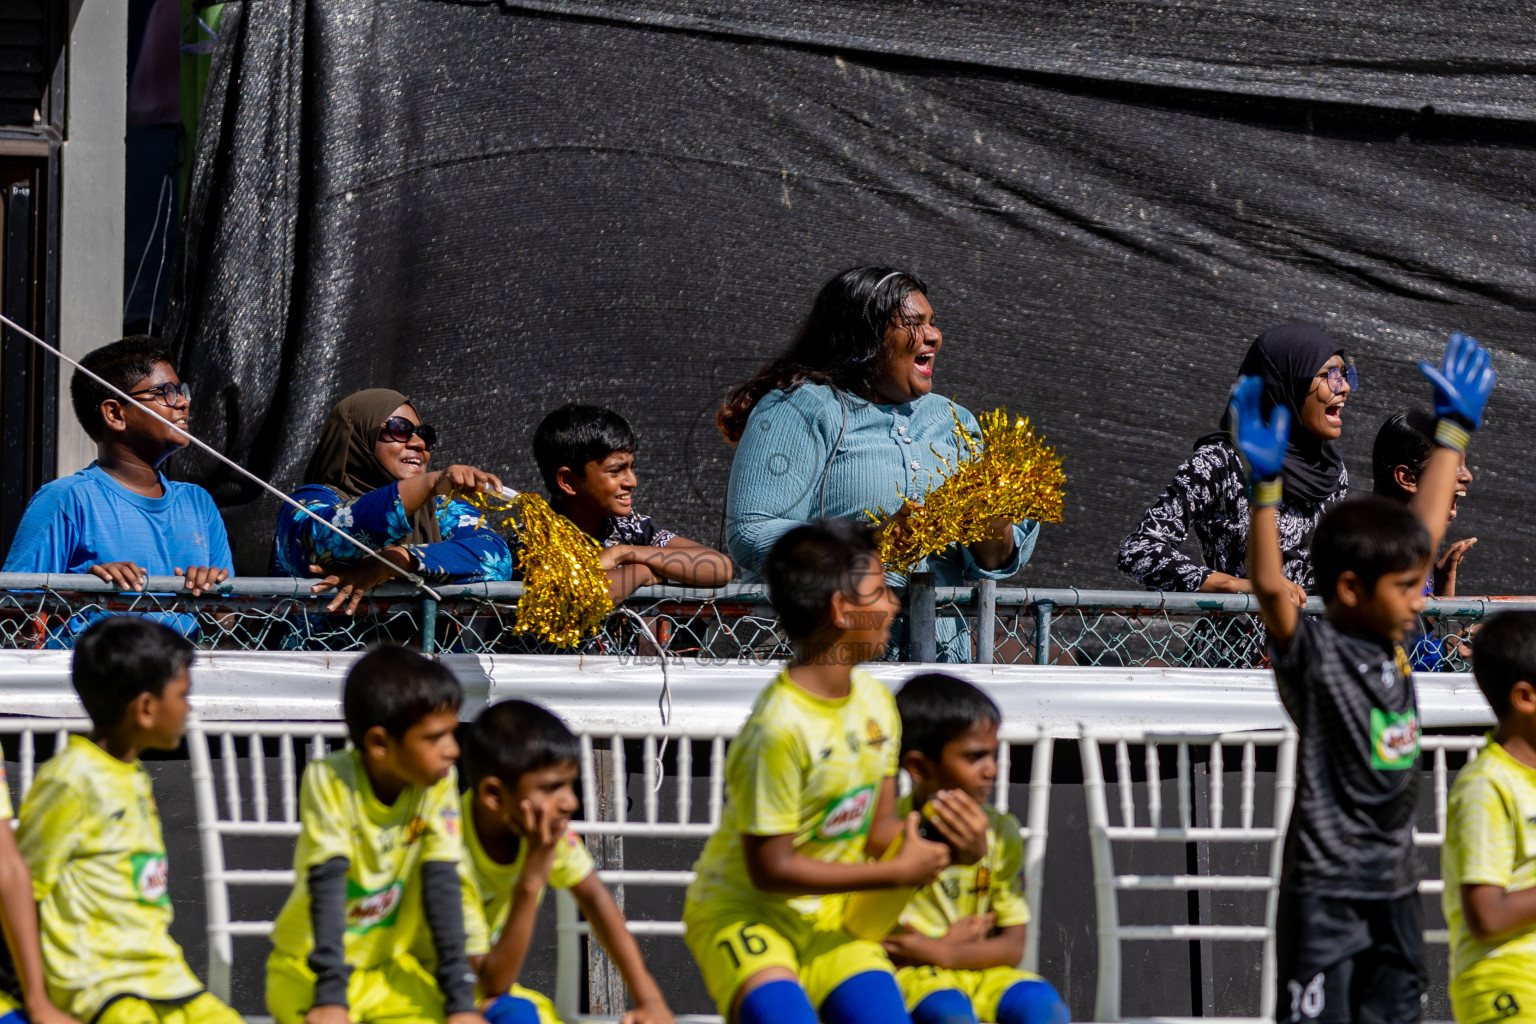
1370,536
514,737
809,564
574,435
395,687
840,342
123,363
936,707
1404,440
121,657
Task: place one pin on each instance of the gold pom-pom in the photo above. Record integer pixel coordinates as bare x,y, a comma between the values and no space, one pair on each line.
1009,473
565,591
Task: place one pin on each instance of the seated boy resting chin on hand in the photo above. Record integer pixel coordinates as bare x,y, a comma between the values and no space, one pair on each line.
586,455
522,764
962,936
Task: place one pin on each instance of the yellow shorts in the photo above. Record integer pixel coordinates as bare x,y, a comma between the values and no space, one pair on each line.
200,1009
983,988
1495,989
546,1008
399,992
733,941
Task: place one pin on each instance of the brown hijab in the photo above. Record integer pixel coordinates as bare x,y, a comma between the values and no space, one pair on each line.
345,461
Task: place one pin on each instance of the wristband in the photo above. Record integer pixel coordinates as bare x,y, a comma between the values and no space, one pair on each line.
1264,493
1452,435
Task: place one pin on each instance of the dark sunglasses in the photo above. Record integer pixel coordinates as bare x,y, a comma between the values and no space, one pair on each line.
400,429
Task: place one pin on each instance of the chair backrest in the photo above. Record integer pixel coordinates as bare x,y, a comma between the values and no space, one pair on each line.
1214,819
26,731
1439,750
263,806
606,804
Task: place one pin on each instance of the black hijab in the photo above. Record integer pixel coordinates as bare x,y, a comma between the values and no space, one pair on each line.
1287,358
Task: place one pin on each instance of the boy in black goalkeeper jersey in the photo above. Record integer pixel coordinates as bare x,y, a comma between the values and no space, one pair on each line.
1348,940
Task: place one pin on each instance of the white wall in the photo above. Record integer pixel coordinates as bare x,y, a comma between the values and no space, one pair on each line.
91,168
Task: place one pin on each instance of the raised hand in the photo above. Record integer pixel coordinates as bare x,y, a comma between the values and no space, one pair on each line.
1463,381
1261,445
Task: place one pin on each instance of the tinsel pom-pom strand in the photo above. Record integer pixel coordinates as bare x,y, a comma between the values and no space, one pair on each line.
1008,473
565,591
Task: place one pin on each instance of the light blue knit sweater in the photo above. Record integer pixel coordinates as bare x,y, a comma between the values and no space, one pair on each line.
887,453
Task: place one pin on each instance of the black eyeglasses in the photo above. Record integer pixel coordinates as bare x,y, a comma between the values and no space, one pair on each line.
1337,377
166,394
399,429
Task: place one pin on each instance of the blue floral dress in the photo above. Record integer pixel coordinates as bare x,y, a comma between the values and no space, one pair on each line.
470,551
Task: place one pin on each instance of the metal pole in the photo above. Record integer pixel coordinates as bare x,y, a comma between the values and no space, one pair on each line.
922,615
428,625
1043,632
606,994
986,620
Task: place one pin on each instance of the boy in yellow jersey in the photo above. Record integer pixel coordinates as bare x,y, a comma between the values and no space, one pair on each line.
23,991
378,861
1489,858
522,765
961,938
810,802
90,833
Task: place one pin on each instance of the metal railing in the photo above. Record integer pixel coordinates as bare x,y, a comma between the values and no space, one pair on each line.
985,623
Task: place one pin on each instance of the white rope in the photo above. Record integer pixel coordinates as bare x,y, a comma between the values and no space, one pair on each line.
664,702
119,392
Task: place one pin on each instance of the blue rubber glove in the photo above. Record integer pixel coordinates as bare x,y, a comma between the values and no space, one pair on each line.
1463,381
1260,445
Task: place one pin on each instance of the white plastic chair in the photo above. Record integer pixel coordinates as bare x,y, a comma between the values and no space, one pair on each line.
27,730
1150,826
679,824
274,812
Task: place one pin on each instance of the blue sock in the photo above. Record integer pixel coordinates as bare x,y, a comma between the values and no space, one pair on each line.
946,1006
506,1010
778,1002
868,998
15,1017
1032,1002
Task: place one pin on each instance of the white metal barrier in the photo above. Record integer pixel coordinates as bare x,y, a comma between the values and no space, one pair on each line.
1150,826
26,731
1436,749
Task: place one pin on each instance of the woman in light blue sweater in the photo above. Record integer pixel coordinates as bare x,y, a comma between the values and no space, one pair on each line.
845,422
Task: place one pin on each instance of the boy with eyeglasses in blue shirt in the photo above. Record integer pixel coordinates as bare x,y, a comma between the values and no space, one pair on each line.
119,518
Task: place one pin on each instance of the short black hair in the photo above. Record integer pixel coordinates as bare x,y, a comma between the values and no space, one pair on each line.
1504,653
1369,536
809,564
1406,439
936,707
395,687
574,435
514,737
120,658
123,363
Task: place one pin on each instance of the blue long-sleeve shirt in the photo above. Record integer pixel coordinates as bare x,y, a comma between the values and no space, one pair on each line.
786,473
470,551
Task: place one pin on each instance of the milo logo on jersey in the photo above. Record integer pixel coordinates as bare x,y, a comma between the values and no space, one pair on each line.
1394,739
367,910
151,879
847,817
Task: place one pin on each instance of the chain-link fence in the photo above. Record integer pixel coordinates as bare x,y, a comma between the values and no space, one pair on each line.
985,623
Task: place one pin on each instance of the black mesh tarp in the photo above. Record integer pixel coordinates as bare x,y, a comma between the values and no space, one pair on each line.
500,207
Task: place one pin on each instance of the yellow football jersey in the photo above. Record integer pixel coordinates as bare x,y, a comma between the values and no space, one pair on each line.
802,766
384,846
90,832
993,885
493,882
1490,839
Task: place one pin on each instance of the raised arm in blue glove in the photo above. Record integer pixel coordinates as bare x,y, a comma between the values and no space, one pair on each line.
1260,445
1463,381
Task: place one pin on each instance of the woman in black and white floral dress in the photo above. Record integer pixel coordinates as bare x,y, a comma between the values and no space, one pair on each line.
1307,372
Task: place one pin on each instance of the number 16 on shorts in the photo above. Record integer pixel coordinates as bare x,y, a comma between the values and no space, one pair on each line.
746,944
